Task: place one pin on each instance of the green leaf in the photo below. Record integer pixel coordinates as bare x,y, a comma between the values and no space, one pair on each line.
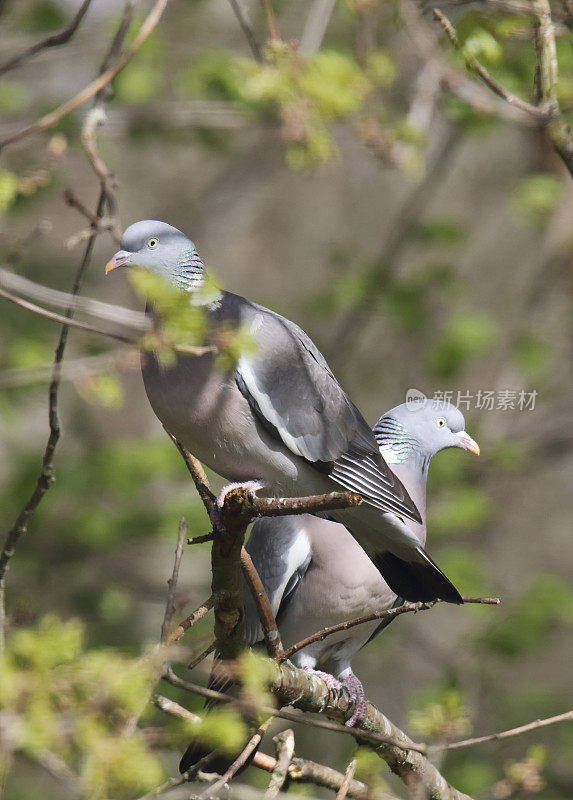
441,230
536,196
139,83
466,336
8,189
547,603
459,510
483,46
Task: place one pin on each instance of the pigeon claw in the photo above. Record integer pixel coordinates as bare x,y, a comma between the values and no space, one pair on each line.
215,514
330,680
356,692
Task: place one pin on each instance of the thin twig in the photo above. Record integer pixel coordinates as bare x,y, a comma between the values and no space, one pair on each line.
241,759
284,748
122,359
245,23
390,613
133,320
300,770
284,506
266,617
189,621
301,719
496,737
348,775
46,477
53,40
271,20
199,476
72,323
202,656
49,120
207,537
172,583
173,708
475,66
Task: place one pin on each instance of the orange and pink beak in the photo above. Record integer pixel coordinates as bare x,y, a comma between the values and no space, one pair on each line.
120,259
468,443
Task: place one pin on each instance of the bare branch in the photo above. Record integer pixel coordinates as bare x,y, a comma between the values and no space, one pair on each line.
173,708
134,321
284,748
348,775
270,631
53,40
245,23
496,737
202,656
308,692
207,537
557,128
123,359
300,770
189,621
199,478
368,737
474,65
390,613
284,506
49,120
69,322
241,759
271,20
46,477
172,583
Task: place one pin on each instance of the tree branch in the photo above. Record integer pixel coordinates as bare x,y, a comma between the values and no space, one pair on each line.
348,775
245,24
284,749
241,759
270,630
172,585
49,120
300,770
475,66
53,40
548,113
309,692
189,621
388,614
496,737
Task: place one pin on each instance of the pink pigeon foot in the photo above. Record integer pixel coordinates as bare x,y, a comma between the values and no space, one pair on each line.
330,680
215,514
356,691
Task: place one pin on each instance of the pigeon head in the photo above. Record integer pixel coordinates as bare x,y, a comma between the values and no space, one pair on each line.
421,430
161,248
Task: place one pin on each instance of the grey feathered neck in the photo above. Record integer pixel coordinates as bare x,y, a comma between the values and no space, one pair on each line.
188,273
398,446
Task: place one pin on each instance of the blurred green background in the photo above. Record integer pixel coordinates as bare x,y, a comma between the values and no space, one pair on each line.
422,241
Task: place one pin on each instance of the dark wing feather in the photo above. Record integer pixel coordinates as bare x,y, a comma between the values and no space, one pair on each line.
297,399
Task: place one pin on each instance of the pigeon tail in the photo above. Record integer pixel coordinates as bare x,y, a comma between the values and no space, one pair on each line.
417,581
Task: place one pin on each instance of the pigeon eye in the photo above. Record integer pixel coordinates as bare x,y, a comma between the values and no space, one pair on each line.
152,243
440,422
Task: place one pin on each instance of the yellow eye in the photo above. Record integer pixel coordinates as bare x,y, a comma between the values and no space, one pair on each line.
440,422
152,243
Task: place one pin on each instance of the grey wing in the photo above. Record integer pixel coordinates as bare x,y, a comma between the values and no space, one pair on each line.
281,553
294,394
